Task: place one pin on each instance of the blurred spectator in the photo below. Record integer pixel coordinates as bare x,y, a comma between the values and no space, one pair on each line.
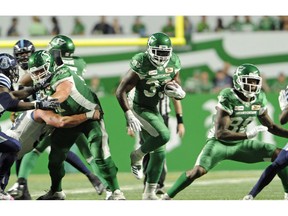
222,80
78,28
235,25
55,26
193,83
37,28
265,86
280,83
203,26
219,25
206,85
266,23
247,25
117,27
96,86
169,28
102,27
187,30
12,31
139,27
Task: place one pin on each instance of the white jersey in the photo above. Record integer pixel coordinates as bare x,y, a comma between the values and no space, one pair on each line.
27,131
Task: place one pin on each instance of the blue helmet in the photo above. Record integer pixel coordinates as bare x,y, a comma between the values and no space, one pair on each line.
21,51
9,67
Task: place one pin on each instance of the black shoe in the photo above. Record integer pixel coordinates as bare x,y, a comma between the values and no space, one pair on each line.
50,195
97,184
20,192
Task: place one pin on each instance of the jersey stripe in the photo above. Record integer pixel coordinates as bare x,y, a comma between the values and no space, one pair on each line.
5,81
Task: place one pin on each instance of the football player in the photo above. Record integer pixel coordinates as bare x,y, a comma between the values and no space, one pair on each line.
282,159
149,72
10,101
22,50
75,97
229,138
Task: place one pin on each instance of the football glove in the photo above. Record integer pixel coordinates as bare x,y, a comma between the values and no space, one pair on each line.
174,90
254,131
283,100
132,121
47,104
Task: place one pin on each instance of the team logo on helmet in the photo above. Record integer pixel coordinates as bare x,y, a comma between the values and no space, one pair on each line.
58,41
4,64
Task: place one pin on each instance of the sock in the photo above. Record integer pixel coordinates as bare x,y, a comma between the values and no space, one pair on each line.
139,154
181,183
150,187
28,163
17,165
76,162
6,162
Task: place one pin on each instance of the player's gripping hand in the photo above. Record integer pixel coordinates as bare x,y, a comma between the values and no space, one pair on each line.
174,90
47,104
283,100
132,121
254,131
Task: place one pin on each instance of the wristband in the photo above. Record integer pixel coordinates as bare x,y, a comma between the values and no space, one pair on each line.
179,118
90,114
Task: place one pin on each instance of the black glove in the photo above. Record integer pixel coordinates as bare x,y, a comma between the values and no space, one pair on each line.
43,84
47,104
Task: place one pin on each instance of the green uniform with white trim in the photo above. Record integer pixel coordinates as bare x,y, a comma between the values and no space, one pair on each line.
81,100
247,151
241,114
148,92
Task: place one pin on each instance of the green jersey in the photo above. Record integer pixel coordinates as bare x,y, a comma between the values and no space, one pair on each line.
80,100
149,89
76,64
241,113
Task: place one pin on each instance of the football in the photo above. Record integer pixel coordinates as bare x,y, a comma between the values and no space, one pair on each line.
174,90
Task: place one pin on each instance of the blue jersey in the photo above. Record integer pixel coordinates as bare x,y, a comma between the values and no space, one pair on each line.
6,101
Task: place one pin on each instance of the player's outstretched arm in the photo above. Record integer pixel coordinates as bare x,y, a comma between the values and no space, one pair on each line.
53,119
272,127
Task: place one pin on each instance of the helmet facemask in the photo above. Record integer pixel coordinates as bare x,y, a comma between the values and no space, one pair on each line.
40,73
159,55
22,59
249,85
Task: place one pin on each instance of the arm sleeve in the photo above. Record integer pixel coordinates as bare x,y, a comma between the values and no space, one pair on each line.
7,102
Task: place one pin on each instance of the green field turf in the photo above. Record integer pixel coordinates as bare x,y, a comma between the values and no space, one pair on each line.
216,185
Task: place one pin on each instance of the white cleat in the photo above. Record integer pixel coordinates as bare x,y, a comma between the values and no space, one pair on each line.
136,166
165,197
248,197
5,196
117,195
150,196
285,196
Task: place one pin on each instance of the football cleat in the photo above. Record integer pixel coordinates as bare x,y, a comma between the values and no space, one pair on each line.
117,195
166,197
150,196
108,194
136,165
50,195
285,196
97,184
160,190
19,192
248,197
5,196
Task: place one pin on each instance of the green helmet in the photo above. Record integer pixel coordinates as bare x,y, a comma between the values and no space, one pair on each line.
63,43
159,49
40,65
247,80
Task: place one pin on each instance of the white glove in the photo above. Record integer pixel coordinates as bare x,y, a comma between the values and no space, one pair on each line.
253,132
282,99
175,91
132,121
